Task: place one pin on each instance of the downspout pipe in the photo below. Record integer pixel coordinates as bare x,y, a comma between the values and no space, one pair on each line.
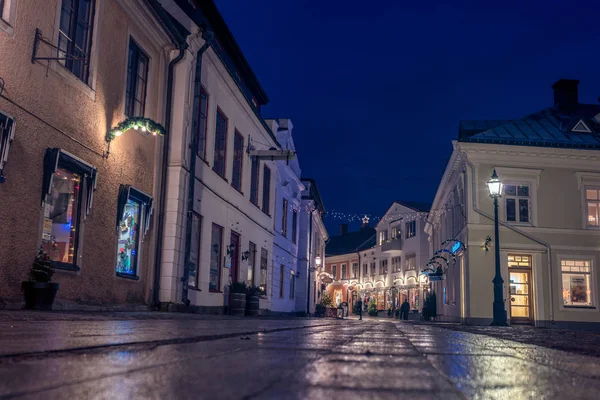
164,174
310,229
208,37
512,228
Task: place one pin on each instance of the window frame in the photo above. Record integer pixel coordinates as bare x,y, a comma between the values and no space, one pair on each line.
196,283
219,258
254,180
220,164
202,132
7,16
70,38
334,271
266,198
284,217
355,271
281,280
295,226
365,270
292,284
586,203
7,136
517,198
130,102
238,161
344,271
407,259
252,264
264,255
373,268
411,229
593,285
383,266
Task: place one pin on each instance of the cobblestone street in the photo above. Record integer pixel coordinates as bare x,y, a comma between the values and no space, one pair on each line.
153,355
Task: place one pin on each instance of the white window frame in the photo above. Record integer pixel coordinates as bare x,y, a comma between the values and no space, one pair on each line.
517,199
585,207
587,180
594,308
520,176
8,17
342,268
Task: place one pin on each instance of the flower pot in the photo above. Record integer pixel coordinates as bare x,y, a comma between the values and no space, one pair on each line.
252,306
237,304
39,295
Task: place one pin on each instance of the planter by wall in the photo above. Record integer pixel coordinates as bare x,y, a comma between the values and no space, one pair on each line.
252,306
237,304
39,295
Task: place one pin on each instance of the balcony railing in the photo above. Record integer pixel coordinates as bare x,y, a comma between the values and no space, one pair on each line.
392,245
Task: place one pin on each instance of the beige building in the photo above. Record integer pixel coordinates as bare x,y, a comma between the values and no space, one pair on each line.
70,72
549,164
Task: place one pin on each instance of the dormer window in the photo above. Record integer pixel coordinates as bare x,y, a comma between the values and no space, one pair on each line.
581,127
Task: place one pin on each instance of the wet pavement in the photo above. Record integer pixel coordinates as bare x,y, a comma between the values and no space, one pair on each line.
177,356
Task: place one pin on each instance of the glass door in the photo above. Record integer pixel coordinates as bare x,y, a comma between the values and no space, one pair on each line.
520,299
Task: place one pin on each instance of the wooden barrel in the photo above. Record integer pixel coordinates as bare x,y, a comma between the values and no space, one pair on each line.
252,306
237,304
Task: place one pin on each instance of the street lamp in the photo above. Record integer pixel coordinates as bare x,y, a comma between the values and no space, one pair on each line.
495,187
318,260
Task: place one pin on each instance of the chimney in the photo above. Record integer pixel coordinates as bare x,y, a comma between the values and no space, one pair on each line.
565,94
343,229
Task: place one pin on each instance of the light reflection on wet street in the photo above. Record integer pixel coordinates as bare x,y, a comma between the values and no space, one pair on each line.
309,358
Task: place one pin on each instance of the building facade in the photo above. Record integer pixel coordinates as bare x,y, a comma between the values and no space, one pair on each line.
549,165
78,183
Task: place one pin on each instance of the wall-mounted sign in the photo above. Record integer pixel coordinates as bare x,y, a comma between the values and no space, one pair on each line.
455,247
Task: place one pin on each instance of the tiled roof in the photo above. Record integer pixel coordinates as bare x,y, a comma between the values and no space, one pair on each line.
546,128
350,242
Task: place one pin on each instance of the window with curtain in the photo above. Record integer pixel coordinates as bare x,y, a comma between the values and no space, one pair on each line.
137,77
220,144
75,36
238,158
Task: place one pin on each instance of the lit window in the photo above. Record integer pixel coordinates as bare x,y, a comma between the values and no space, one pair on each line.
576,282
517,203
383,235
354,270
216,246
344,267
292,284
75,36
396,233
251,263
383,267
68,186
411,229
263,272
133,211
411,262
592,197
137,76
334,271
373,268
220,144
238,157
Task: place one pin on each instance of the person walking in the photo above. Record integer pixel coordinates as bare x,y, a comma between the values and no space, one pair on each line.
359,305
404,310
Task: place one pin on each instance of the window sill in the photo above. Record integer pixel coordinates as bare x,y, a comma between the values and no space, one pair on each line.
581,307
65,266
130,277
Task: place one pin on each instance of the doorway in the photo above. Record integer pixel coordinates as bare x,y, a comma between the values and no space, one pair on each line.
235,256
519,268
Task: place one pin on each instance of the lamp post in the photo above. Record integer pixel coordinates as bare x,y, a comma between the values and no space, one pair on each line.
495,187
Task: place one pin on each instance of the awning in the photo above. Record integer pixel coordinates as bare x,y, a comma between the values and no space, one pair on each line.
55,158
127,192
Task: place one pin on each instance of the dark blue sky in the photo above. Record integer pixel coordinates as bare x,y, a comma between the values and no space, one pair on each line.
376,89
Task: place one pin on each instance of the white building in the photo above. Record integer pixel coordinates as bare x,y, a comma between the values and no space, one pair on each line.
219,220
549,164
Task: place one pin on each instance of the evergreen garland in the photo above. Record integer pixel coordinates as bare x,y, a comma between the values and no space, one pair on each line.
145,124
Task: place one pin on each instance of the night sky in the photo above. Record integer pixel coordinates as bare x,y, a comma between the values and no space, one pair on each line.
376,89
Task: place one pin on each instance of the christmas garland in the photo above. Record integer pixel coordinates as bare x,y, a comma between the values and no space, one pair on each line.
145,124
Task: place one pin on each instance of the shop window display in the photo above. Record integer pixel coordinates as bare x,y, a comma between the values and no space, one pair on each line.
128,242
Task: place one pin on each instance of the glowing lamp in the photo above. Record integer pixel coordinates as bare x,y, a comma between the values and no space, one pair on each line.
318,261
494,185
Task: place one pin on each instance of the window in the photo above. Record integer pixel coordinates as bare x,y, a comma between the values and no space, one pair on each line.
266,199
202,124
365,270
396,233
354,270
576,283
383,267
133,216
137,77
344,272
396,264
281,273
238,157
7,15
263,272
220,144
373,267
68,186
383,237
2,4
592,198
284,218
194,262
295,226
7,135
445,296
411,229
334,271
292,284
255,170
251,263
216,253
517,203
411,262
75,36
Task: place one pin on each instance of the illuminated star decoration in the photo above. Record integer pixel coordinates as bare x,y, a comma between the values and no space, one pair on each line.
365,220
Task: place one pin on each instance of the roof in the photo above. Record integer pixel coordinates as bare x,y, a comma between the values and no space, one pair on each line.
550,127
313,194
422,206
351,242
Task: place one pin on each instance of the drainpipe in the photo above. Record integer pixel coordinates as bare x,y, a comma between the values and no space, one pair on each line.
208,37
163,179
516,230
308,262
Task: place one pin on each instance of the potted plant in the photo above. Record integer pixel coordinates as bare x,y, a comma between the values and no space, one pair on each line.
237,298
38,291
252,301
373,308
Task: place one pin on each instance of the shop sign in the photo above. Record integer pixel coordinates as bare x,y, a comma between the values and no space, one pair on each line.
455,247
